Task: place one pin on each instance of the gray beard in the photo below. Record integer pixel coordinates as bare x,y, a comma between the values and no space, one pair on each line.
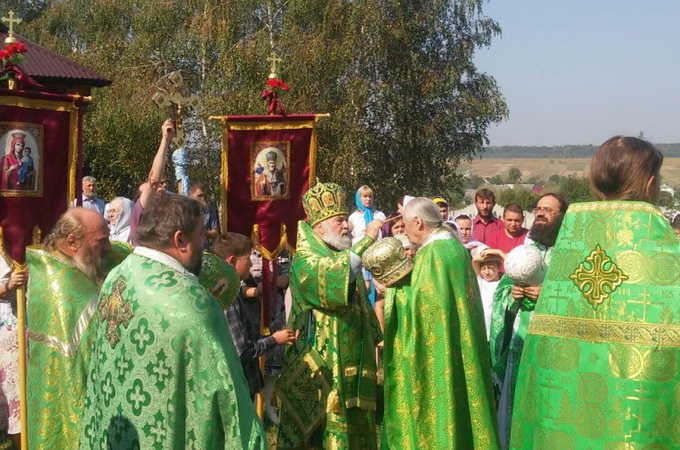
337,241
91,265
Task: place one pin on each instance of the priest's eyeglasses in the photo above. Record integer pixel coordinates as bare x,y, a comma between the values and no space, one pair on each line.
545,210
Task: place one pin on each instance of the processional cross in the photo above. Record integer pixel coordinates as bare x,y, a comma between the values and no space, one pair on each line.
11,21
174,95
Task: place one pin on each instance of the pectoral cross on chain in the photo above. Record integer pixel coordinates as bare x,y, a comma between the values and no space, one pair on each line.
174,95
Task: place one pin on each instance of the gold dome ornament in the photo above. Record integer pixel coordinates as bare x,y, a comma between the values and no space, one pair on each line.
387,261
323,201
11,21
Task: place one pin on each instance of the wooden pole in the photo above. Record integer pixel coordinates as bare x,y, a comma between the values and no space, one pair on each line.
21,329
259,398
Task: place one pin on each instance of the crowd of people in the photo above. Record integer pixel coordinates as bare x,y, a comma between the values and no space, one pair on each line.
490,334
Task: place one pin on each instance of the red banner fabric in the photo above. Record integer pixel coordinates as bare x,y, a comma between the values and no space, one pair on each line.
40,142
267,165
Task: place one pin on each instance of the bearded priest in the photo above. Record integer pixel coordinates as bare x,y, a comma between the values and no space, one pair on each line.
328,386
65,275
164,371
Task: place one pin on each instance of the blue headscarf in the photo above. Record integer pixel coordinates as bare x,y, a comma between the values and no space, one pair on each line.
368,212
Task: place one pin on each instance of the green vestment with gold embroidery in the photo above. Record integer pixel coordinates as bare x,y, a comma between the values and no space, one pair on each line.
437,374
164,370
60,305
600,363
506,343
328,385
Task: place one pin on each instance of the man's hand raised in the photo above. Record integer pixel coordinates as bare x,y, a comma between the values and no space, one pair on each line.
168,129
373,228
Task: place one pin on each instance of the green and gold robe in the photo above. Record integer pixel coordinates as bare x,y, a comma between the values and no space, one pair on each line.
60,306
600,363
506,343
328,385
164,370
437,374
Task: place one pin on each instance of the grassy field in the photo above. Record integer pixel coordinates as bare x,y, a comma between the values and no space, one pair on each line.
543,168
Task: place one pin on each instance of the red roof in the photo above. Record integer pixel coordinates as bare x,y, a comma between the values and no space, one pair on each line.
48,67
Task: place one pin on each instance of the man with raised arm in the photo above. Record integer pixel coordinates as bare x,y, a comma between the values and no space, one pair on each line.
157,180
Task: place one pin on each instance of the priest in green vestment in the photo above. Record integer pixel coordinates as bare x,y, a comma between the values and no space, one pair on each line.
164,371
600,363
513,307
65,275
437,373
328,385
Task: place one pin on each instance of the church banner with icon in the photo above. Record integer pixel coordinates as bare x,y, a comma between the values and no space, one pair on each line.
268,164
40,142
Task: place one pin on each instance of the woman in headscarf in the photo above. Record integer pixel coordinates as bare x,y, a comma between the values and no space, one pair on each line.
364,214
120,211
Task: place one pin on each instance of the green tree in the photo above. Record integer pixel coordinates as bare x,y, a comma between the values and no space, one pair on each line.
514,175
522,196
575,189
496,179
398,78
554,179
473,182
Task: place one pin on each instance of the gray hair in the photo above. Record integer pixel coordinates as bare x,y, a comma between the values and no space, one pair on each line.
425,209
89,179
68,223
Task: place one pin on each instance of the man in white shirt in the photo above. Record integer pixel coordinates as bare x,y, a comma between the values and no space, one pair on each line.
89,199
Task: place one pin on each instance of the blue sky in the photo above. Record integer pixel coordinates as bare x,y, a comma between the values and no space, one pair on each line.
582,71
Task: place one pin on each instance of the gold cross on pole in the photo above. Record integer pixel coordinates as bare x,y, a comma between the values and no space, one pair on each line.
274,60
11,21
172,94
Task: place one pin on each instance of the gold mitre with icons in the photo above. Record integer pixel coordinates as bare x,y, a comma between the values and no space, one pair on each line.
387,261
323,201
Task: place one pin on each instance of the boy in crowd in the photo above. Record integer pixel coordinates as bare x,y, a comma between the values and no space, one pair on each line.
235,249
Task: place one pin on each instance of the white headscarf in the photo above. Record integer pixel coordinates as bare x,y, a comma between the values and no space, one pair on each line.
121,230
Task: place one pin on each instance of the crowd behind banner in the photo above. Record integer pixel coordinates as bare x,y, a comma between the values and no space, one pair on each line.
481,333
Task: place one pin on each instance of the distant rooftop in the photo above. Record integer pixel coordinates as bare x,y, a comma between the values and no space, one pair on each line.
47,67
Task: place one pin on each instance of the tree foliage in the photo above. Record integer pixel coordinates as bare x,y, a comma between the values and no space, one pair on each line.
514,175
473,182
407,103
554,178
575,189
522,196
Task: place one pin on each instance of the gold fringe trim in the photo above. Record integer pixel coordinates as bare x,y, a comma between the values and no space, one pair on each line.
283,243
